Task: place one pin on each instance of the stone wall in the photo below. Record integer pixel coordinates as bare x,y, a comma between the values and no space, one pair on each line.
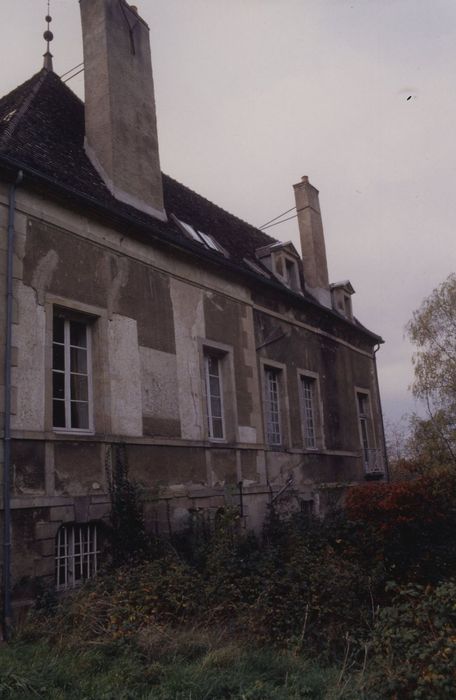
153,315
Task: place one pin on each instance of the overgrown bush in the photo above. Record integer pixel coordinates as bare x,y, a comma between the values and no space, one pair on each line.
320,589
414,644
414,524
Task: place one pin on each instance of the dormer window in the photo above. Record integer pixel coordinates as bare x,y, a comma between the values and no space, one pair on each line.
283,260
292,275
341,294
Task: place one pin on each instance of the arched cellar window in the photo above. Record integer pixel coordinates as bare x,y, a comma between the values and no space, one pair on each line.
77,554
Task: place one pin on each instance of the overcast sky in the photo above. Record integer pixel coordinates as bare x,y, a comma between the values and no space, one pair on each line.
252,94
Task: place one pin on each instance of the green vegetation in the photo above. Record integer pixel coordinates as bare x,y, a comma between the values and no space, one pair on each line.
182,670
361,605
432,330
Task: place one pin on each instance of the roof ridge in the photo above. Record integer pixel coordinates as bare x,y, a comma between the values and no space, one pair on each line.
217,206
21,111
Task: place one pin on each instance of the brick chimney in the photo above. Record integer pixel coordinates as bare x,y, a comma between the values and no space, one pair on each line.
313,249
120,122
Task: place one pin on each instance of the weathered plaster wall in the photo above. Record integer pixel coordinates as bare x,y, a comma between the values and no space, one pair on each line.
29,336
189,324
125,373
152,312
160,402
79,468
28,471
159,467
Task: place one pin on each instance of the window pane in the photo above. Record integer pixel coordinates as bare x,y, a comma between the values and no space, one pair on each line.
58,357
364,434
58,385
70,374
214,386
214,397
79,415
58,331
213,365
79,387
363,404
272,407
308,390
78,334
216,407
78,360
217,427
58,420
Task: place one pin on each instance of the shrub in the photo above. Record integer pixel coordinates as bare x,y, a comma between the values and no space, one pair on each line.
414,522
414,644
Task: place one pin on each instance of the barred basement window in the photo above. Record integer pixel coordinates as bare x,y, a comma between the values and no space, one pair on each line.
76,554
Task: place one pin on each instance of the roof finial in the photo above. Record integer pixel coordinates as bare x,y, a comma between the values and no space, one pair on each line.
48,36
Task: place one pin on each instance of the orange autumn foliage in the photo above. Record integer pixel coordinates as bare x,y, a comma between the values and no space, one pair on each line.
426,500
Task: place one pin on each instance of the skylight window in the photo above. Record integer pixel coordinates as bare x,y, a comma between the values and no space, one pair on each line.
190,231
199,237
9,116
208,241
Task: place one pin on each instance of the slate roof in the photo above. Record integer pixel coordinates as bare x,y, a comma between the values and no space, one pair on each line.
49,137
42,131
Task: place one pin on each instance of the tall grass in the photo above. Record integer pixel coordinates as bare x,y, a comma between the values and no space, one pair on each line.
182,669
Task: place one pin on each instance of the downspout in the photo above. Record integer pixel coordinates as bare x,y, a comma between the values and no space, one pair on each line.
381,413
7,409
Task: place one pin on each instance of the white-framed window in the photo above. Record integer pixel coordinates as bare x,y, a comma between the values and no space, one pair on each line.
309,410
77,554
272,405
364,417
213,380
71,372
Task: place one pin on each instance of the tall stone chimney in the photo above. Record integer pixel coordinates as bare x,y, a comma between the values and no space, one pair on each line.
121,128
312,241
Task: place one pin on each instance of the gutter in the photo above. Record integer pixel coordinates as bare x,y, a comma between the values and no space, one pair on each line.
7,409
387,473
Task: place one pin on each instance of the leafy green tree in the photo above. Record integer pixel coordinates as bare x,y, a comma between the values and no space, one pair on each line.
432,329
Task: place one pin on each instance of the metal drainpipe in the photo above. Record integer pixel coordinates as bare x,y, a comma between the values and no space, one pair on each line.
381,413
7,408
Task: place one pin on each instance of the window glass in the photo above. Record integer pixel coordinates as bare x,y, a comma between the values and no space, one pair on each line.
58,413
272,396
308,406
364,420
70,374
78,334
214,403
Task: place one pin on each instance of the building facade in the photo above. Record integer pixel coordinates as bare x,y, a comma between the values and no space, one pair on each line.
139,318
